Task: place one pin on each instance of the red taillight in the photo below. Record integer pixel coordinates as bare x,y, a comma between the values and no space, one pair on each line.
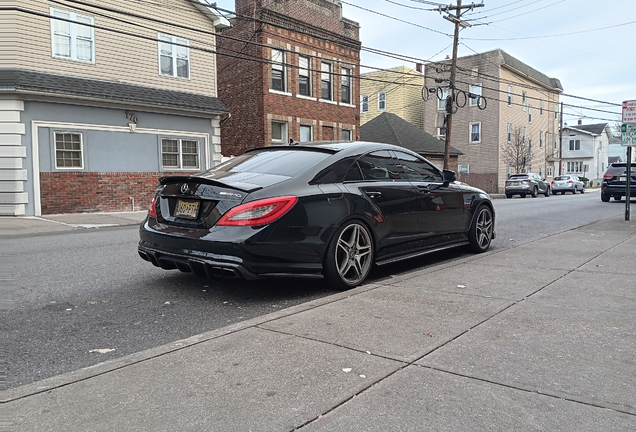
260,212
529,181
552,181
152,211
570,181
608,176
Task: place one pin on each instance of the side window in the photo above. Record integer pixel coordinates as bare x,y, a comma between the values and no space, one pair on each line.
354,173
336,172
379,165
417,169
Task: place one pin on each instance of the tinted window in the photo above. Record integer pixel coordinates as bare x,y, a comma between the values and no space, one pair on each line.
354,173
519,176
379,165
562,178
280,162
336,172
414,168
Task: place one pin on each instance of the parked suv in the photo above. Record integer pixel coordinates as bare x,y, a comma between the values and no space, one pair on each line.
615,181
567,183
527,184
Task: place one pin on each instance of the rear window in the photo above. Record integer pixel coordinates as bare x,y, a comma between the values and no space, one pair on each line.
562,178
287,163
616,169
519,176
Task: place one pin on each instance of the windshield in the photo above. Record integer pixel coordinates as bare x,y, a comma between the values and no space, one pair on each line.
287,163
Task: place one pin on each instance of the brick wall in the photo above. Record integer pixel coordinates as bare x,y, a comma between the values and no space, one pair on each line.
85,192
244,85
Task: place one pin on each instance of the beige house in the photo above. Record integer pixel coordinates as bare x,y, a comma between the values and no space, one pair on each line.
99,100
507,94
397,91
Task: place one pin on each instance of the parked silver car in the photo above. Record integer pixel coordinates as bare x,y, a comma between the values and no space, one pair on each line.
567,183
527,184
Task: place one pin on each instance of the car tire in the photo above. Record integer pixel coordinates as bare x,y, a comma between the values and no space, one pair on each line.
617,197
522,195
481,230
508,195
547,192
605,197
535,192
583,190
349,256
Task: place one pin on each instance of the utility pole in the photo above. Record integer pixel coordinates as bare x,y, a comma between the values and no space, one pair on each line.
450,99
561,141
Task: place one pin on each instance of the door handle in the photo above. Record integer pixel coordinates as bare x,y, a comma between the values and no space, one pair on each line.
374,194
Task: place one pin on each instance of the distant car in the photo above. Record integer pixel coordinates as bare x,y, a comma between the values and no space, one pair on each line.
615,182
567,183
527,184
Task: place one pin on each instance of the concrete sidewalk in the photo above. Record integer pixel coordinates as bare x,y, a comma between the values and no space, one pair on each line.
540,336
16,225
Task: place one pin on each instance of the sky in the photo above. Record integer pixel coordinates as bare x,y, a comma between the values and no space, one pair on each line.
589,45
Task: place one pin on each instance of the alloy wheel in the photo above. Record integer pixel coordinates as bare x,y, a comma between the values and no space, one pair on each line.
353,254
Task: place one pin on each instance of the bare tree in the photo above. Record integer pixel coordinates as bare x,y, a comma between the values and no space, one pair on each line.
517,152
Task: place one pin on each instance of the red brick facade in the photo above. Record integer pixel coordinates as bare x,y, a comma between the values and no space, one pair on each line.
83,192
313,29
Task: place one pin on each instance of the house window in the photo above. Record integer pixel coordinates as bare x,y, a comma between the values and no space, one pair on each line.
523,136
305,133
523,100
475,90
278,70
540,139
441,132
509,132
72,40
279,132
541,171
179,154
346,135
509,95
174,56
541,107
346,85
68,150
325,81
364,103
549,171
463,169
304,76
575,144
529,114
441,103
381,101
475,132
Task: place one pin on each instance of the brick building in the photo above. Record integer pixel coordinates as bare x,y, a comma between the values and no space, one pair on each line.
295,81
515,96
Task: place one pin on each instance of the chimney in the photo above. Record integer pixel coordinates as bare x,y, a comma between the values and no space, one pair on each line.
418,67
580,122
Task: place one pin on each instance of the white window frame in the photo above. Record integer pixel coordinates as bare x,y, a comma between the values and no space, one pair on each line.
326,77
509,132
381,101
440,130
541,107
73,35
304,71
364,103
346,77
284,132
278,57
509,95
311,133
470,132
476,90
530,114
180,154
463,169
549,171
349,132
573,145
524,100
540,139
80,151
176,43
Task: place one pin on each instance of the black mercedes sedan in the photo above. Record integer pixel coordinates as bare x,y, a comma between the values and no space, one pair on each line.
323,209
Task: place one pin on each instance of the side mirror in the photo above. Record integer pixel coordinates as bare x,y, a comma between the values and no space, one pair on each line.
449,176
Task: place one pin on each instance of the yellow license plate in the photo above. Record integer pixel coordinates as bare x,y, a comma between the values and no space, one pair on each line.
187,209
623,179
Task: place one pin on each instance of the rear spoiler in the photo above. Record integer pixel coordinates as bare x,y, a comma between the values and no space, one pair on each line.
182,179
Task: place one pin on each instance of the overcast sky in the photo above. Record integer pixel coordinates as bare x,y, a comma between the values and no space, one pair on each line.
589,45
